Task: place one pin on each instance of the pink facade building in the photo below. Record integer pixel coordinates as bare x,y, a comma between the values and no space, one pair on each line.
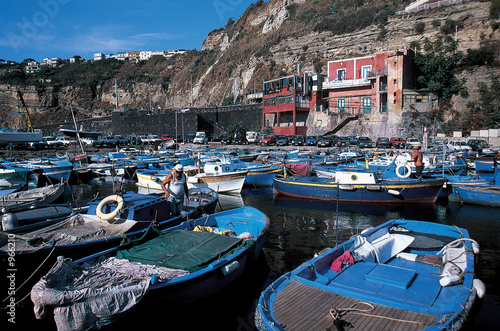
373,83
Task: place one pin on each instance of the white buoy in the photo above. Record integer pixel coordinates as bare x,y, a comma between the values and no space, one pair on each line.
394,192
449,280
479,287
475,247
231,267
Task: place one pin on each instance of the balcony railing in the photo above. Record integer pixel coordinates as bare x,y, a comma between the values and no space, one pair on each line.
345,83
376,73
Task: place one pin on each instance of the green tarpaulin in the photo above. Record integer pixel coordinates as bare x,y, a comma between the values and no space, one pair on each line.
186,250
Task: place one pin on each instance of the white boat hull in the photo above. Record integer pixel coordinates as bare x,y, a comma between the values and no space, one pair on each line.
150,181
231,182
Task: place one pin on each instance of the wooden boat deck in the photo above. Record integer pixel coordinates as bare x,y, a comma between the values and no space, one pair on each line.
303,307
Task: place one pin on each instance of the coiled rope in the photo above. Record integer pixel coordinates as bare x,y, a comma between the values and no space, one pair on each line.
338,313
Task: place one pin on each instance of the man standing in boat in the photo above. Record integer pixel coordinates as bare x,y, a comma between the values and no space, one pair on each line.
417,157
175,187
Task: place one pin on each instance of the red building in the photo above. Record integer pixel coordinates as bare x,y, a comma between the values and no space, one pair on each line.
288,100
368,86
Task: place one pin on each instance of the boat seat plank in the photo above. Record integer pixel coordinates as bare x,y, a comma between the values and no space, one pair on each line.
304,307
392,276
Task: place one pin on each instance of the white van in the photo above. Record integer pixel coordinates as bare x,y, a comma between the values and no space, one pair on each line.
251,136
200,138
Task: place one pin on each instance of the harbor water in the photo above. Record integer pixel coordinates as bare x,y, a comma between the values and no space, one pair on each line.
298,230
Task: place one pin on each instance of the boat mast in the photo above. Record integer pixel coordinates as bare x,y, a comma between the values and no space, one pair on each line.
76,129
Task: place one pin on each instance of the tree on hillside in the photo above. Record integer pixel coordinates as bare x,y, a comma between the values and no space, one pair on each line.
435,67
485,112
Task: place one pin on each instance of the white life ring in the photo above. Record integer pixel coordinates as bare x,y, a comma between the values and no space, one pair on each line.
112,198
406,172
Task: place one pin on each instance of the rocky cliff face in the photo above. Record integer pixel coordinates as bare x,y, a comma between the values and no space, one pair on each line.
263,43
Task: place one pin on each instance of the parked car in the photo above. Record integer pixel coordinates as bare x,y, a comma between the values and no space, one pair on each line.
365,142
226,139
437,142
88,141
410,142
353,140
478,145
326,141
66,141
297,140
141,140
200,138
312,140
151,139
282,140
189,138
397,142
38,145
132,140
268,139
122,141
251,136
343,142
106,141
458,146
383,142
240,140
258,138
53,142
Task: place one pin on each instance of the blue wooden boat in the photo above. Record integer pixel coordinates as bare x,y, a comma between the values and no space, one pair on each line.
401,275
261,174
362,187
85,234
34,198
33,219
476,191
181,265
485,166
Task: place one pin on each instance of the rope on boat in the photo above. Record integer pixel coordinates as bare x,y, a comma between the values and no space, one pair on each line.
27,279
338,313
456,243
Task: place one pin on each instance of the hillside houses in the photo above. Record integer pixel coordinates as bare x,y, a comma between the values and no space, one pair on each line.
137,56
34,66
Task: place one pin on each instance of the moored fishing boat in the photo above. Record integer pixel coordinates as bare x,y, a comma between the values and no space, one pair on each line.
403,274
181,265
151,179
362,187
477,191
33,198
84,234
221,176
261,174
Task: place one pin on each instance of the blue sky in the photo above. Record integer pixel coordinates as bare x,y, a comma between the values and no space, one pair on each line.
64,28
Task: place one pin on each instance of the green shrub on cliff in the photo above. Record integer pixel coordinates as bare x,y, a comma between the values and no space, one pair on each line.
435,67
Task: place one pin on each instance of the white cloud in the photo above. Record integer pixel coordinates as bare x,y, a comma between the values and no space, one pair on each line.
108,42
